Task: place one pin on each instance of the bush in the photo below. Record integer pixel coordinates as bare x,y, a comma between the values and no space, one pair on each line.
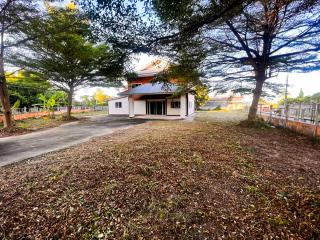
217,108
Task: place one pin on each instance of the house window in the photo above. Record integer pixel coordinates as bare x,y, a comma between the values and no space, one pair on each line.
175,104
133,85
118,104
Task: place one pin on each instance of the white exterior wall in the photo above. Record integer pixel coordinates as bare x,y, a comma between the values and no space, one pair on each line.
119,111
191,104
183,107
172,111
131,107
140,107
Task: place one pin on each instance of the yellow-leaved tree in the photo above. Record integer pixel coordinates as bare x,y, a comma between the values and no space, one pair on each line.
100,97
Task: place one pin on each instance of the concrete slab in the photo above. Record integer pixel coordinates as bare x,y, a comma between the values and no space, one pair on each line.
18,148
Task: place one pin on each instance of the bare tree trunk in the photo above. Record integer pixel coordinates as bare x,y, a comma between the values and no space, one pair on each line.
256,97
4,97
69,107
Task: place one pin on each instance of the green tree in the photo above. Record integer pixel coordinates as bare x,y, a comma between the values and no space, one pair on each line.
249,48
25,87
245,43
64,55
301,93
301,98
316,97
88,101
50,101
201,95
16,18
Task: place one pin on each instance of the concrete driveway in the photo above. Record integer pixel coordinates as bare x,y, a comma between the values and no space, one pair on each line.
17,148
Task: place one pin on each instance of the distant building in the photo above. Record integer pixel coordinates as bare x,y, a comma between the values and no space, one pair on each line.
225,103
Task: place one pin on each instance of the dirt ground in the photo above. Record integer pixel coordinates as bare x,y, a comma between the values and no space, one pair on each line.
206,179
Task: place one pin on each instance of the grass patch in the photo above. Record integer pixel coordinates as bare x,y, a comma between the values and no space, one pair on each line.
33,124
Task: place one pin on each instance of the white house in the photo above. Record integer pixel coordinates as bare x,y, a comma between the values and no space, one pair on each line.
143,98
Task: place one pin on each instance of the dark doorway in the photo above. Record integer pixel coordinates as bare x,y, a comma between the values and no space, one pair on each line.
156,107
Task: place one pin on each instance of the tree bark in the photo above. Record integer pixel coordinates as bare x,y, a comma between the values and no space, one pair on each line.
69,107
4,97
260,78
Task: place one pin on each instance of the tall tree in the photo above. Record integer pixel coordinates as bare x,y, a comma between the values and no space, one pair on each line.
246,43
267,37
252,44
301,93
64,55
16,17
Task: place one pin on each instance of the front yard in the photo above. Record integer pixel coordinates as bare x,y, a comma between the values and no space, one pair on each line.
169,180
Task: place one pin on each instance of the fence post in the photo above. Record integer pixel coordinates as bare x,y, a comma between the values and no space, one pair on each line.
316,120
314,111
300,112
270,114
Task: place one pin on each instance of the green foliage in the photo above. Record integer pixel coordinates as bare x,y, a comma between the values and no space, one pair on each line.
243,45
315,98
201,95
16,104
50,101
98,98
316,95
217,108
62,53
301,93
184,71
88,100
17,19
25,87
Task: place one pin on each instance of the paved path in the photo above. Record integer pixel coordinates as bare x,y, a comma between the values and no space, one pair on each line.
17,148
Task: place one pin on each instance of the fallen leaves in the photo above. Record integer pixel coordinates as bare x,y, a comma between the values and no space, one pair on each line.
167,180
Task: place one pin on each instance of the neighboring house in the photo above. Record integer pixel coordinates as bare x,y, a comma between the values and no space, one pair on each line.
226,103
145,98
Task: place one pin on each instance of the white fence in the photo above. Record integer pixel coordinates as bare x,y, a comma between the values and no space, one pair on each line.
302,118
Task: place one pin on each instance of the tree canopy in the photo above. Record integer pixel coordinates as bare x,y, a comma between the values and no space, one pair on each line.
64,55
244,50
241,44
25,86
16,19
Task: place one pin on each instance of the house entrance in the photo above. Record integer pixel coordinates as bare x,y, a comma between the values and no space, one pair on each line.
156,107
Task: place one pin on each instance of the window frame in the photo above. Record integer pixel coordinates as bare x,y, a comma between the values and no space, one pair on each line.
118,104
175,104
